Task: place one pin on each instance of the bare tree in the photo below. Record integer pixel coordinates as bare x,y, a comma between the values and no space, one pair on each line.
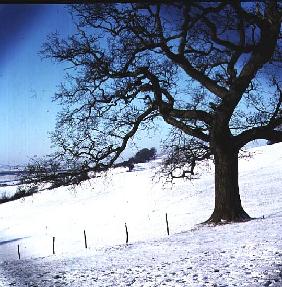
210,70
54,170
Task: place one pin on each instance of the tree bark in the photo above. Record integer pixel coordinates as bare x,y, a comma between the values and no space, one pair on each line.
228,205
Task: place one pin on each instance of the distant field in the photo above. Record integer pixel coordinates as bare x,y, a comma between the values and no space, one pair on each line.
8,177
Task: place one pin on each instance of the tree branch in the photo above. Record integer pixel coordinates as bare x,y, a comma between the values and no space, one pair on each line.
192,114
265,132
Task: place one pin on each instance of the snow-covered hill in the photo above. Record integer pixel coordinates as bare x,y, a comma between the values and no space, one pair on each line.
244,254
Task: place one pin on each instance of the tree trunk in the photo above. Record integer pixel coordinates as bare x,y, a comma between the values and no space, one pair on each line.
227,198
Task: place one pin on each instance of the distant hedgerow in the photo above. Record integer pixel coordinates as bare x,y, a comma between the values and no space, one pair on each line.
20,193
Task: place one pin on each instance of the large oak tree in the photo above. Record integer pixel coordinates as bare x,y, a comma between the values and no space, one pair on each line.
210,70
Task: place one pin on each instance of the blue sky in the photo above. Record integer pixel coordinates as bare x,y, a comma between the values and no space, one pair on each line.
27,82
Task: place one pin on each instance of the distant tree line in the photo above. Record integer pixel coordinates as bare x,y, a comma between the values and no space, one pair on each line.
53,171
56,172
143,155
20,193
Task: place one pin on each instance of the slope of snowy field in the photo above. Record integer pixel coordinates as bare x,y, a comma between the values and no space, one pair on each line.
243,254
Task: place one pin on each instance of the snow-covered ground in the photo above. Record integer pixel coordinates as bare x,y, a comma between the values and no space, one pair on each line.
243,254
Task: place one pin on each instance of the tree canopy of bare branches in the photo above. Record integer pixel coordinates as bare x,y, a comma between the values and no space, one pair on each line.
210,70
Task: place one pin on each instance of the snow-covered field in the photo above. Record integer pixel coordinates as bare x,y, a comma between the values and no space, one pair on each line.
243,254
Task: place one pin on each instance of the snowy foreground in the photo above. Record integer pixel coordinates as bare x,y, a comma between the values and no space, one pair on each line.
243,254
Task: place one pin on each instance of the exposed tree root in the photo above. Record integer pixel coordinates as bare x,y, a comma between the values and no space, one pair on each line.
220,218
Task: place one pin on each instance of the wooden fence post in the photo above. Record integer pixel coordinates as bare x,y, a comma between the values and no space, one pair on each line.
126,233
85,240
167,227
53,245
19,254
